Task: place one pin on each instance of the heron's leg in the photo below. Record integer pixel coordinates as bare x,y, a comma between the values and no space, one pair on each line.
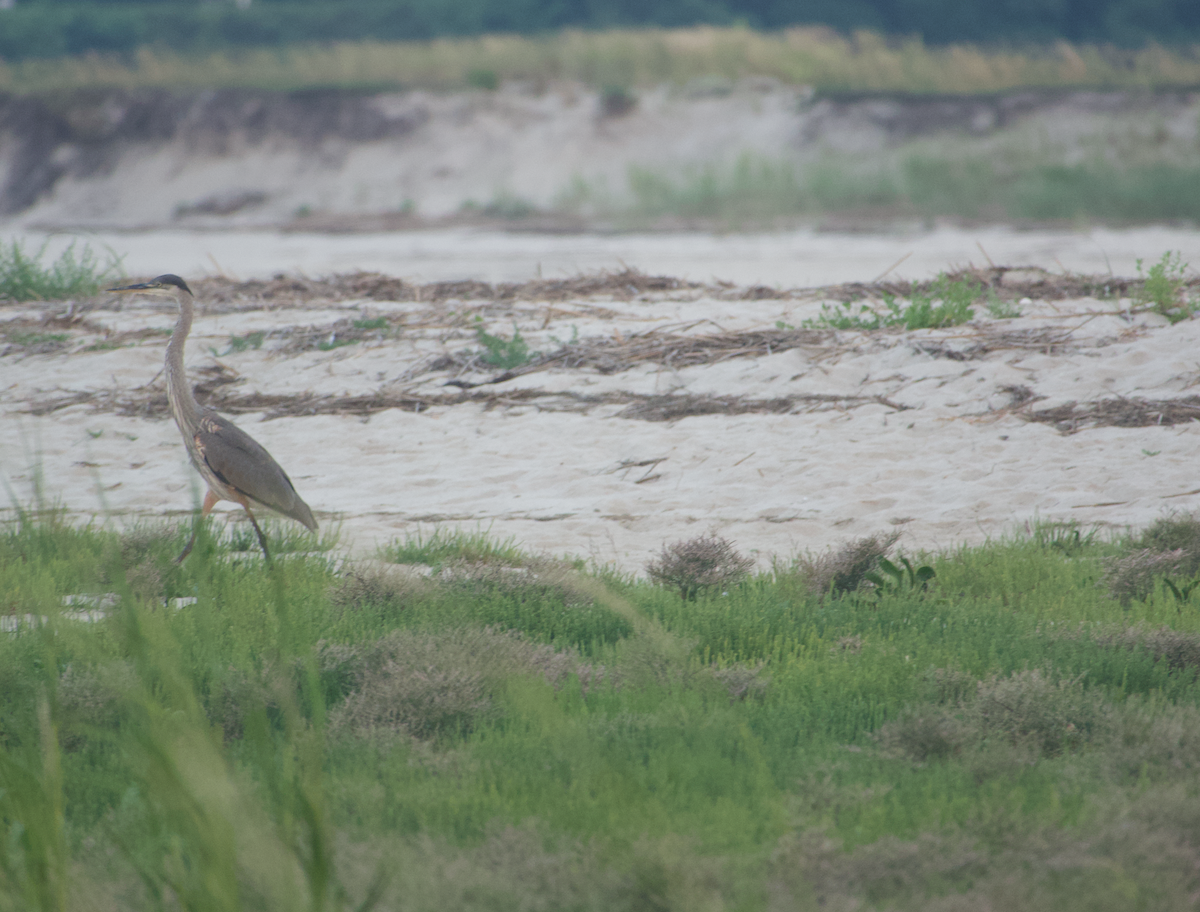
210,501
262,539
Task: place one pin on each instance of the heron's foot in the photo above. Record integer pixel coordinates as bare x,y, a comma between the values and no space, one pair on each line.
187,549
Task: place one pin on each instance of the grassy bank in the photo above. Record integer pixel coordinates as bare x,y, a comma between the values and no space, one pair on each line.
475,728
820,58
756,191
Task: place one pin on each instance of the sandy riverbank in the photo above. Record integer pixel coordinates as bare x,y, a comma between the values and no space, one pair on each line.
839,435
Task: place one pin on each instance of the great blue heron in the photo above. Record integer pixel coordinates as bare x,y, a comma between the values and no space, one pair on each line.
233,464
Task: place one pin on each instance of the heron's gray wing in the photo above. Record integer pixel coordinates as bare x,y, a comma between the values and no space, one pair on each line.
241,462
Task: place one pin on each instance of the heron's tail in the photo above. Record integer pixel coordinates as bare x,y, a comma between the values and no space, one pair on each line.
302,514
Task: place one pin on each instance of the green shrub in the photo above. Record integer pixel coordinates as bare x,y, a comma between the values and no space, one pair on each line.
616,100
482,78
509,206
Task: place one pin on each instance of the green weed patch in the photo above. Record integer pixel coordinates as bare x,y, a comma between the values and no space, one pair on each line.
946,303
501,352
1163,285
238,344
23,277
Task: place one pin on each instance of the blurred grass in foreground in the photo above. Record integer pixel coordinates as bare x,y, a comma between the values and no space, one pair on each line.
476,728
817,57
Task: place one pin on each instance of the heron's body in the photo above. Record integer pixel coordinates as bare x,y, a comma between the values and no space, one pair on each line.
233,464
238,468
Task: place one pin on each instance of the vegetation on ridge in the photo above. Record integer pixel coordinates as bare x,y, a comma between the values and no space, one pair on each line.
49,27
702,59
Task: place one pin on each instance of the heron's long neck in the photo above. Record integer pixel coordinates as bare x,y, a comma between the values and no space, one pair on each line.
179,393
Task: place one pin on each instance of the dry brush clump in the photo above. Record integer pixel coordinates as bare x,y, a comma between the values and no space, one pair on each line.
948,685
844,569
743,681
1133,576
923,734
698,564
1153,741
377,583
1181,531
536,576
1178,648
812,870
1028,710
429,684
1030,707
235,695
1136,851
1168,549
513,867
90,699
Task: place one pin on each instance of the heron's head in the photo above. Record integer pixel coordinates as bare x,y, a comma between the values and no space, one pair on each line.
164,286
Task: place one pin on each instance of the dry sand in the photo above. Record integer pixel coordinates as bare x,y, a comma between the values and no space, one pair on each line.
792,259
924,431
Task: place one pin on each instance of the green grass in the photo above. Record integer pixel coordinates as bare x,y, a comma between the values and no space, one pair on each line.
441,546
514,732
756,191
753,190
104,345
35,338
619,59
238,344
76,273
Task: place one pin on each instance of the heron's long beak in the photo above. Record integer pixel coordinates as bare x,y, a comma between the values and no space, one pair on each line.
140,286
